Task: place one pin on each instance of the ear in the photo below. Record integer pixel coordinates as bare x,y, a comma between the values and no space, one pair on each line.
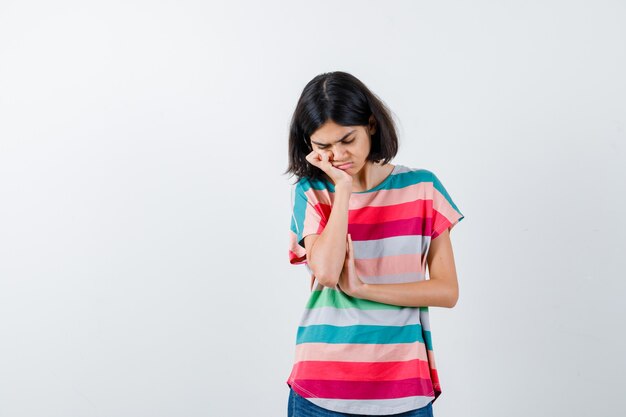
372,124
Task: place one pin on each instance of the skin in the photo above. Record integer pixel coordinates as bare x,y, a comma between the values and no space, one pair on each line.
331,254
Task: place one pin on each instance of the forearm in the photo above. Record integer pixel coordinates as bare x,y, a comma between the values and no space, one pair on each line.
329,250
431,292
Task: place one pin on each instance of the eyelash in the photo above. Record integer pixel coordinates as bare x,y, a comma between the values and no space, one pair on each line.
324,147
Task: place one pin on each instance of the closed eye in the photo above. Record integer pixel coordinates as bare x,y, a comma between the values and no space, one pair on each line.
326,146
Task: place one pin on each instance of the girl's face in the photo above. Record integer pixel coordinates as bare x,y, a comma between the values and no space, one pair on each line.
344,144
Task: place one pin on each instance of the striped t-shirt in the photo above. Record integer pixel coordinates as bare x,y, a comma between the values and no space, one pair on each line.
359,356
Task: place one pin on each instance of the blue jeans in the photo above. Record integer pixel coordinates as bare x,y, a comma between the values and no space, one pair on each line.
299,406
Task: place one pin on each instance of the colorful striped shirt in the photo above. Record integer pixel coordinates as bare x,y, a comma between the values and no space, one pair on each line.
359,356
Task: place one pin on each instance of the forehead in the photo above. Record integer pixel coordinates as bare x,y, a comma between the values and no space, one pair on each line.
331,132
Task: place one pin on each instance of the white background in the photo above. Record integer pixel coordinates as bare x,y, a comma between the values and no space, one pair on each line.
144,216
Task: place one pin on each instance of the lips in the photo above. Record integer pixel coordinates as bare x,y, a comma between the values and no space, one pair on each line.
344,166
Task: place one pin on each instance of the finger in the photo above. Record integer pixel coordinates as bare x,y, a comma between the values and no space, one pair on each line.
314,158
317,159
320,160
350,243
325,159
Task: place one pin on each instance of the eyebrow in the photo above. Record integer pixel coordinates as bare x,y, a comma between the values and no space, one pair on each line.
344,136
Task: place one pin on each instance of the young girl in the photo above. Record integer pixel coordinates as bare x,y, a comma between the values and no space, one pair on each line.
366,230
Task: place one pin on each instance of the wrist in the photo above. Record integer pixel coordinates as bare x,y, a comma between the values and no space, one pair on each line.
363,290
343,188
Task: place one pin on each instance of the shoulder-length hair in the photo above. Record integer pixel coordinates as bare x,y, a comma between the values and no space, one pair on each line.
345,100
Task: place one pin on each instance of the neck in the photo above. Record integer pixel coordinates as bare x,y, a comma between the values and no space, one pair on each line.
366,178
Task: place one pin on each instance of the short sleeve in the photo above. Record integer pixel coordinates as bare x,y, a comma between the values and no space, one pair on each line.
307,217
445,214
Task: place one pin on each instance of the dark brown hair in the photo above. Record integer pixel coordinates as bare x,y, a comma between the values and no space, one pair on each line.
342,98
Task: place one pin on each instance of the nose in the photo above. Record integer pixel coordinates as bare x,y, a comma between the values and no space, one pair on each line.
338,154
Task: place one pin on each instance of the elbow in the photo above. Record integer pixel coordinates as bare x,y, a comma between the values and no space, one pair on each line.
453,297
326,278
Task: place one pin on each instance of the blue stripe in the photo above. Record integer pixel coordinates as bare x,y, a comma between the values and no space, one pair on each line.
370,334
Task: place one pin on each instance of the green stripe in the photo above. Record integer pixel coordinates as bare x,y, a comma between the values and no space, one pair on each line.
439,187
399,180
329,297
299,211
320,184
428,339
325,333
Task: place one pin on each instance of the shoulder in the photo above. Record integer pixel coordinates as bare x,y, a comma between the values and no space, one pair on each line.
414,175
305,183
311,189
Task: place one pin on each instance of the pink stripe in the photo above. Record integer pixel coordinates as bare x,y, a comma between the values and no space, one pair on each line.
314,222
388,213
419,191
361,352
364,390
297,253
388,265
362,371
393,196
444,215
420,226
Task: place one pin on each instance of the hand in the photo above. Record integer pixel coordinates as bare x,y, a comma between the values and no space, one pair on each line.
349,282
322,161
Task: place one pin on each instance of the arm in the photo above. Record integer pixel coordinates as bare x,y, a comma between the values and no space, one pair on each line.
326,252
440,290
